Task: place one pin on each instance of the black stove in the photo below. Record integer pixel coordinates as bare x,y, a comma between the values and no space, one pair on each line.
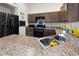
39,28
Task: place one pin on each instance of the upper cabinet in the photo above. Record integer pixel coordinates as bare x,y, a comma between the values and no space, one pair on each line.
73,12
63,13
50,17
32,18
69,12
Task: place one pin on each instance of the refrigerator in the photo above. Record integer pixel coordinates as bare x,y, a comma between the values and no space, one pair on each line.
9,24
12,24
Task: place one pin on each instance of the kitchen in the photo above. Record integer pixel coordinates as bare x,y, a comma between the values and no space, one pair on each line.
36,21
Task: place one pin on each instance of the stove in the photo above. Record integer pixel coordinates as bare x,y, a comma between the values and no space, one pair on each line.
39,28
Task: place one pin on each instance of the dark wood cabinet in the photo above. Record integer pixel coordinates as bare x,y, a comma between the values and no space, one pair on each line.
32,18
63,13
48,32
50,17
72,9
69,12
29,31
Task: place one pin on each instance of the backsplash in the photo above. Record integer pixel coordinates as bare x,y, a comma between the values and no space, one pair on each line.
74,25
51,25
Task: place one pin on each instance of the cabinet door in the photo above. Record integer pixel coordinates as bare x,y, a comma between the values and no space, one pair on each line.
47,18
63,16
63,13
51,17
48,32
29,18
29,31
72,11
32,18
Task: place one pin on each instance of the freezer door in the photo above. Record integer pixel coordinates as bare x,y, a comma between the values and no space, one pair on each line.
12,24
16,24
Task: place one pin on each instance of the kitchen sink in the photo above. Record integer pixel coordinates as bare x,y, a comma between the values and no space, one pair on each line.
45,41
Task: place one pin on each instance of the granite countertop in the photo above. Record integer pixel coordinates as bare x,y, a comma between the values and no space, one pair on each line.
18,45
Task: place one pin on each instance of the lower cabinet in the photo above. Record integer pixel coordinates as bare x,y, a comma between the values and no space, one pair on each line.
47,32
29,31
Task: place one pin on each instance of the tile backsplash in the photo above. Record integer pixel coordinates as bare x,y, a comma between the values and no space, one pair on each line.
51,25
74,25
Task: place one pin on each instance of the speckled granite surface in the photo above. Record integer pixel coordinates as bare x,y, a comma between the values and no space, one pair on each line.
17,45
